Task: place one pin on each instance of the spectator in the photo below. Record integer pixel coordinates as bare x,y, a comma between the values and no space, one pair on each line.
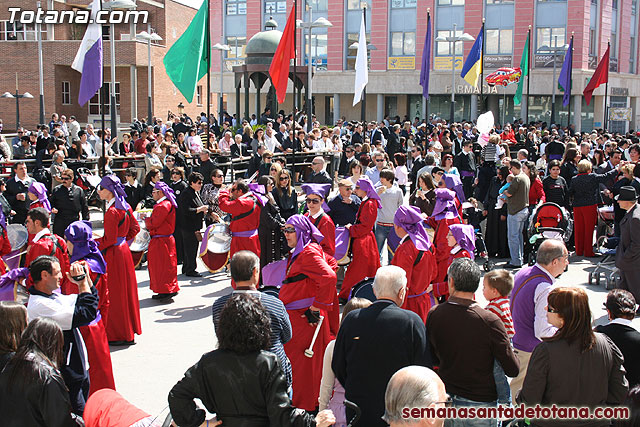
68,202
56,169
391,199
189,218
318,175
271,223
344,206
466,362
364,367
265,165
13,318
424,196
401,171
256,160
496,227
536,191
355,172
627,179
32,390
150,180
209,195
25,149
628,253
260,393
465,163
74,128
556,189
285,195
206,165
517,202
374,172
574,367
151,159
16,192
133,189
569,164
414,387
529,300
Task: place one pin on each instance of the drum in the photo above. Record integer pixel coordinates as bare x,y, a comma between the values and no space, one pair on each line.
343,243
215,246
141,214
363,289
18,237
139,246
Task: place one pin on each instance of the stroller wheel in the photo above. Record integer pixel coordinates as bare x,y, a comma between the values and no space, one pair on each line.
590,278
597,279
488,265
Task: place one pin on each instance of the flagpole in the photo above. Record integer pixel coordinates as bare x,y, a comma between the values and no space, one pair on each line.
208,47
482,70
528,71
363,105
102,106
605,122
295,69
426,101
570,82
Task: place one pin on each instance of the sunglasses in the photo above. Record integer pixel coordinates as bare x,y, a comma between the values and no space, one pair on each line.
379,160
218,176
552,310
284,178
288,230
65,178
314,201
274,170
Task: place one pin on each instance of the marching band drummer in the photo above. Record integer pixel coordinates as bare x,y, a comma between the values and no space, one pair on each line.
365,257
82,247
307,293
415,255
119,226
162,257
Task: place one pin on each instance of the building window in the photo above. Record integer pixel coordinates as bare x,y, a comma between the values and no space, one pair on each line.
499,42
318,50
66,93
545,37
352,52
199,96
94,103
593,42
403,44
237,7
499,1
17,31
319,5
398,4
237,45
614,29
357,4
444,48
450,2
273,7
632,56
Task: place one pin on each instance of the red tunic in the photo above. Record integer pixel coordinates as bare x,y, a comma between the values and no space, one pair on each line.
161,255
95,337
120,226
420,275
5,249
442,288
364,249
49,244
443,250
316,289
249,223
325,225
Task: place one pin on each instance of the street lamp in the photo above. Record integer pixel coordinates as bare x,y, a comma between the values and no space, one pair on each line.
554,50
453,39
318,23
153,37
222,48
17,96
180,108
114,5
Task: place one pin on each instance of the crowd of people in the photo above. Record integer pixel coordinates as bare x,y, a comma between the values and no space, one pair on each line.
364,294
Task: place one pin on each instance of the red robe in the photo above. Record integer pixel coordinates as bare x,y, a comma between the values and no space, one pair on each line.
325,225
95,337
238,207
161,255
365,259
419,276
442,288
316,289
121,280
45,246
5,249
443,250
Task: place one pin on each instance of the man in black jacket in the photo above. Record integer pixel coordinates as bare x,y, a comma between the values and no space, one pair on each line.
191,211
417,164
256,160
16,193
621,308
68,202
465,161
393,143
319,175
206,165
364,366
627,253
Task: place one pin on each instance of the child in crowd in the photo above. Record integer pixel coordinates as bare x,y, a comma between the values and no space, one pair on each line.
497,286
502,198
461,244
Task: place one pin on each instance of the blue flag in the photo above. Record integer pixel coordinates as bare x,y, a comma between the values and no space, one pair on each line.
426,60
472,67
564,82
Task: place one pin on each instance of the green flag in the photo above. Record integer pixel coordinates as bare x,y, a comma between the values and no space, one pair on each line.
186,61
524,68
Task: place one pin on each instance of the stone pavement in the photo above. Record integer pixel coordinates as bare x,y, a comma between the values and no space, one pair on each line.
175,335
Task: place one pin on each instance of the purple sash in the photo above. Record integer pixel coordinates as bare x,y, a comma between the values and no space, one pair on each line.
467,173
120,241
274,273
97,319
342,242
248,233
299,304
161,235
417,295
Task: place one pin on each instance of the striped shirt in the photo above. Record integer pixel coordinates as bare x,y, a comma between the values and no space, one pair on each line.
280,324
490,153
500,307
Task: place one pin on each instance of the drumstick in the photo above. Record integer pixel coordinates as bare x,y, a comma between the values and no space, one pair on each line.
252,177
309,352
13,256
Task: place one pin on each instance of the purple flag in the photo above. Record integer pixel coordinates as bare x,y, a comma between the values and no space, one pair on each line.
564,82
88,60
426,60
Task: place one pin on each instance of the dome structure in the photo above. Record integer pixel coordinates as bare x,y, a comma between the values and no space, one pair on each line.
261,47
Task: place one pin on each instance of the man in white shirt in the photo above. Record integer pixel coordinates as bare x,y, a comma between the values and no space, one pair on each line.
74,128
92,137
374,172
270,140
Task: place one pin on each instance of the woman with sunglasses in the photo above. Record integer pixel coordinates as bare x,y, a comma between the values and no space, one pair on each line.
285,195
209,196
307,293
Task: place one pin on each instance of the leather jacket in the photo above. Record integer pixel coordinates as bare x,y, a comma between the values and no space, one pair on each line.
243,390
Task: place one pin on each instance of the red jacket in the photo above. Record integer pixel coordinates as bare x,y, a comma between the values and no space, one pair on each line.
536,193
238,207
162,221
325,225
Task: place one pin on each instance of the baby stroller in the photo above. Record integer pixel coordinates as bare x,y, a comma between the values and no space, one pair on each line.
605,226
89,183
606,268
548,221
481,251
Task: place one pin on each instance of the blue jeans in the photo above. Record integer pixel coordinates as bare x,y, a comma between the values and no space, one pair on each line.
470,422
381,232
515,225
502,385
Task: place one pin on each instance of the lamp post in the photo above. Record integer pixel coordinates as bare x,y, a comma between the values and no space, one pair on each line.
453,39
318,23
180,108
222,48
115,5
17,96
149,37
555,49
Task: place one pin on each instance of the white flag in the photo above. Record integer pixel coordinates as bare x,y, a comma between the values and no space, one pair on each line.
362,67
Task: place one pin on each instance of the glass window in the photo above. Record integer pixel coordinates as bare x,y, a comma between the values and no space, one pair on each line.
94,102
66,93
499,42
273,7
317,5
397,4
546,35
450,2
353,51
318,50
499,1
19,31
236,7
403,44
444,48
199,95
353,5
237,45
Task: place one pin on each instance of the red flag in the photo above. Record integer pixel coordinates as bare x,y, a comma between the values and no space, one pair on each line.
601,76
279,69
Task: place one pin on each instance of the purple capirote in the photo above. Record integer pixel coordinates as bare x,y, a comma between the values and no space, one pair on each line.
167,191
365,184
259,192
40,191
410,219
320,190
113,184
445,206
306,232
454,183
80,234
465,236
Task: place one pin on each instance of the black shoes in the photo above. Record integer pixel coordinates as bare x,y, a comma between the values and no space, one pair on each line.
164,296
122,343
509,265
194,274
